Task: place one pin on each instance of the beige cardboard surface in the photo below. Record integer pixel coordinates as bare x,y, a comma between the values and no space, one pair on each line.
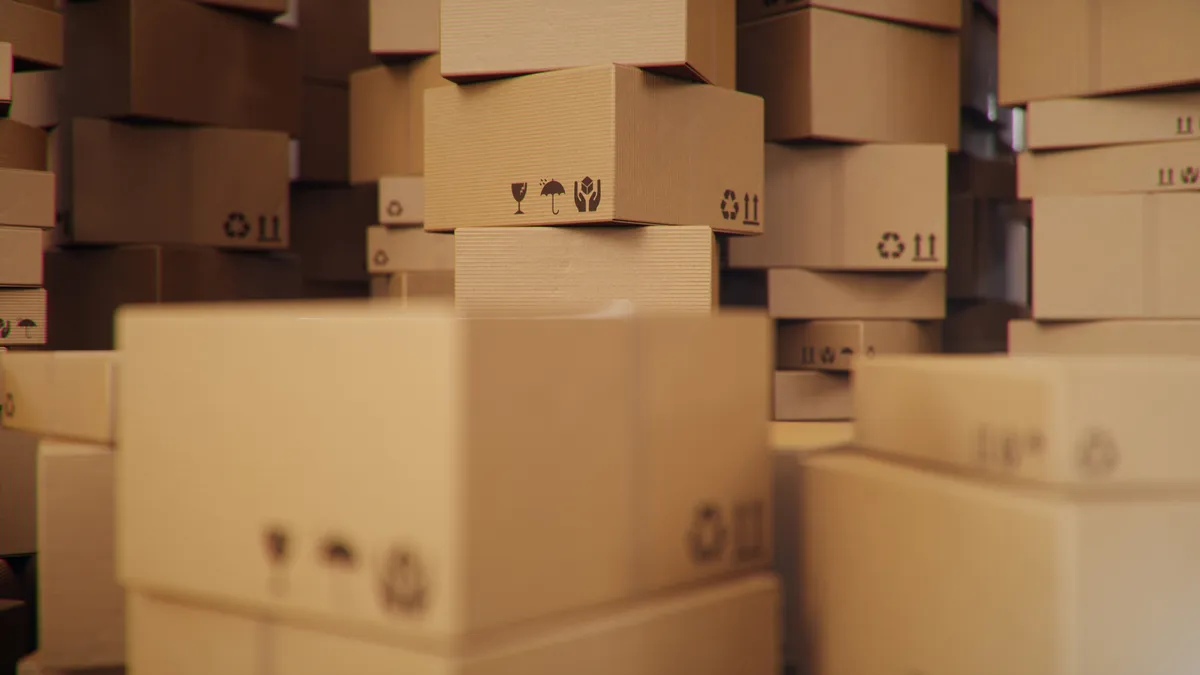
404,26
36,98
324,133
408,249
22,316
932,13
61,395
20,256
808,396
1111,120
724,628
417,286
387,119
807,294
396,533
36,34
868,207
837,345
489,162
787,437
800,63
18,493
1165,338
6,76
401,200
689,38
563,269
81,609
1149,167
26,198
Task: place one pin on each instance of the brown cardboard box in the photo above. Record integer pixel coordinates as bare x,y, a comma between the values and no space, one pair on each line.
62,395
663,455
20,256
408,249
694,39
1112,120
806,396
979,327
22,316
36,96
22,146
905,79
26,198
324,133
546,270
837,345
404,27
387,119
423,286
946,14
1150,167
1163,338
87,285
18,493
716,630
329,230
334,39
401,200
988,251
1072,48
178,61
808,294
866,207
6,75
988,178
36,34
199,186
81,609
490,160
979,43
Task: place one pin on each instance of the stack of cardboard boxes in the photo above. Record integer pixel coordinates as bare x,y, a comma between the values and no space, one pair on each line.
173,159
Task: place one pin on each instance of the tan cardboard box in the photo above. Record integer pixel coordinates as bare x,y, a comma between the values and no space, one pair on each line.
334,39
866,207
491,160
693,39
387,119
404,26
1069,48
478,495
204,186
808,294
1163,338
179,61
61,395
20,256
402,200
802,62
837,345
806,396
324,133
18,493
1111,120
790,437
988,250
35,33
6,77
979,326
946,14
725,628
408,249
81,609
1149,167
22,316
36,98
22,146
993,567
563,269
26,198
422,286
329,230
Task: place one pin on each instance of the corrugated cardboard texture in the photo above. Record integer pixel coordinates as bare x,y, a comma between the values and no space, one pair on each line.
179,61
329,230
22,316
805,396
1152,167
869,207
334,38
22,146
26,198
36,34
1162,338
689,38
495,155
549,270
18,493
408,249
837,345
324,133
36,98
808,294
20,256
905,80
387,119
404,26
401,200
945,14
1114,120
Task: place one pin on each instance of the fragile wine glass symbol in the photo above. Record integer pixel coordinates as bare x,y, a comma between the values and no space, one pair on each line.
518,193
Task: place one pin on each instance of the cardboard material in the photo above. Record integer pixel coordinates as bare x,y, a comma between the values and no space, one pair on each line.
26,198
793,437
22,317
807,294
408,249
800,63
6,75
693,38
944,14
324,134
488,162
1111,120
868,207
417,286
179,61
329,230
387,119
1164,338
18,493
22,146
564,269
1150,167
81,609
20,256
662,453
404,27
36,98
837,345
35,33
334,39
806,396
61,395
401,200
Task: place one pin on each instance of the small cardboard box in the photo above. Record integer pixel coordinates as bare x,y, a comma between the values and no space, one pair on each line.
37,96
1163,338
20,256
837,345
61,395
35,34
387,119
26,198
22,316
940,14
1148,167
404,27
1112,120
408,249
807,294
18,493
402,200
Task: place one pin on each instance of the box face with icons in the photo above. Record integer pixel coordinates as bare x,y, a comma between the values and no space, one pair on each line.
593,145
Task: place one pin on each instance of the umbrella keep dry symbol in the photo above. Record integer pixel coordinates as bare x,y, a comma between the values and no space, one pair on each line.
553,188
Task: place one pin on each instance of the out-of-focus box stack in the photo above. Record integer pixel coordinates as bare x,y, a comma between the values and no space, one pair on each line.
1008,515
855,248
173,159
542,496
1111,171
387,151
31,51
64,399
605,170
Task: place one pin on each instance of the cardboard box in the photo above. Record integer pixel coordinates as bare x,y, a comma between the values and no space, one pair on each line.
87,285
81,609
334,39
489,163
808,294
6,75
799,437
693,39
22,146
866,207
18,493
401,200
329,230
1163,338
979,327
837,345
408,249
944,14
22,316
906,80
36,96
36,34
404,27
812,396
387,119
1116,257
179,61
1112,120
324,134
547,270
1036,567
989,251
662,456
422,286
26,198
20,256
725,628
1150,167
61,395
1072,48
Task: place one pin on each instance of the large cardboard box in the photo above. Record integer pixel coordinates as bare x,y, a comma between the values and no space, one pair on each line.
943,14
837,345
488,472
387,119
905,79
690,38
18,493
1164,338
408,249
808,396
35,33
26,198
61,395
22,146
491,160
22,316
866,207
20,256
404,27
1111,120
794,293
546,270
1149,167
179,61
126,184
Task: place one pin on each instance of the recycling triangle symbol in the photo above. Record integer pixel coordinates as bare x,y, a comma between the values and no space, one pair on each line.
381,257
394,208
